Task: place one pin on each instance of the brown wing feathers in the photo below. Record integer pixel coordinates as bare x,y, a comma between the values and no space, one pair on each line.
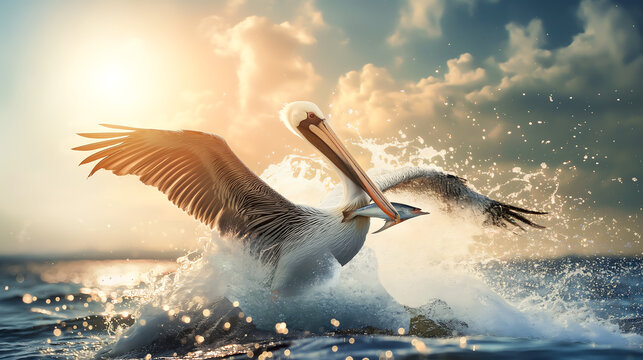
197,171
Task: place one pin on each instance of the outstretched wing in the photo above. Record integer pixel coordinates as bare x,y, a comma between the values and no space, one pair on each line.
199,173
453,191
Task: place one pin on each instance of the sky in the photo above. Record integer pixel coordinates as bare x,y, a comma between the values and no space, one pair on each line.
536,85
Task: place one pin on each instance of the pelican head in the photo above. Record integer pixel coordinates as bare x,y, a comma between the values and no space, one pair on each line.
306,120
295,112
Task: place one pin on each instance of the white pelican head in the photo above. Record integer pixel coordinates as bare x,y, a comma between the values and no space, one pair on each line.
306,120
295,112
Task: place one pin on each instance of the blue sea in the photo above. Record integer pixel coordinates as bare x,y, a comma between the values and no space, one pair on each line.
563,308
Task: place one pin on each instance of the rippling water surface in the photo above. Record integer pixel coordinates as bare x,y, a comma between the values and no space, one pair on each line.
73,309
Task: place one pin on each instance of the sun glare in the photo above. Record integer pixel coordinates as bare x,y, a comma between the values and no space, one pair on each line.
116,83
118,76
121,78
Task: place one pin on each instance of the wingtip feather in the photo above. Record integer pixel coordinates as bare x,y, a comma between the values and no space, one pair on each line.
96,168
103,135
525,211
119,127
85,161
524,220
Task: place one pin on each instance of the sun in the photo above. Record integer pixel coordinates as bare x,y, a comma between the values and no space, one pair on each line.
118,76
119,79
116,83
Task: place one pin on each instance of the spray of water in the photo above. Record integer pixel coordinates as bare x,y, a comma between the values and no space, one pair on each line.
431,257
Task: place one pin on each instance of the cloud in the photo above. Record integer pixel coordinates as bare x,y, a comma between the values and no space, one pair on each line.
261,69
605,55
269,68
372,101
423,17
310,16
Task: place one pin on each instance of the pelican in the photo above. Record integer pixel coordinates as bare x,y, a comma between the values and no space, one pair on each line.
200,174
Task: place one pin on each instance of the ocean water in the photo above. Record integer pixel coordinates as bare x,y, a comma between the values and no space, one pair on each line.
565,308
438,286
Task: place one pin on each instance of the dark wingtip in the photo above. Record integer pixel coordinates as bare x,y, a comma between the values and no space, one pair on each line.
523,219
501,214
513,222
525,211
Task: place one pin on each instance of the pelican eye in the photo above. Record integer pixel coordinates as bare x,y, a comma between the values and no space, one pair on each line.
311,115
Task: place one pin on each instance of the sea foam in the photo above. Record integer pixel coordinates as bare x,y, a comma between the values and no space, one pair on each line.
431,258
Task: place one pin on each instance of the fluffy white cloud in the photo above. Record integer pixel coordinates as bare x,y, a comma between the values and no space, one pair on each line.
261,68
269,69
371,99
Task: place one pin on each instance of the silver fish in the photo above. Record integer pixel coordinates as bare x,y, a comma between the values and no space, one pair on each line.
406,212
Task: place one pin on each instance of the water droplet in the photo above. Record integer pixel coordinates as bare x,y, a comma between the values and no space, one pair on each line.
27,298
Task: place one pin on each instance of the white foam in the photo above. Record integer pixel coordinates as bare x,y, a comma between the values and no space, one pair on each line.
427,258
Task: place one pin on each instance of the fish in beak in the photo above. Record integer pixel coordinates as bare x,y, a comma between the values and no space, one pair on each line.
406,212
319,133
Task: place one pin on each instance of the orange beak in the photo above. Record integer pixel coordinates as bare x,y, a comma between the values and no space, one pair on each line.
320,134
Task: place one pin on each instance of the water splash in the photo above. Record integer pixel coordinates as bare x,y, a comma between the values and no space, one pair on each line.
435,257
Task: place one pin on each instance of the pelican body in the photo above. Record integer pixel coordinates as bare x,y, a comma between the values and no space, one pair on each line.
200,174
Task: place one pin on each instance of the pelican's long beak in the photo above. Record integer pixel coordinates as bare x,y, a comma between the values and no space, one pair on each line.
320,134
